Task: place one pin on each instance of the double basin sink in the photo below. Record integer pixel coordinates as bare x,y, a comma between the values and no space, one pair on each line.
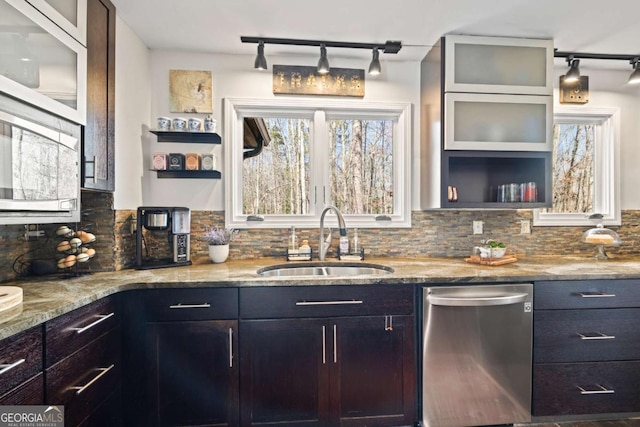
324,269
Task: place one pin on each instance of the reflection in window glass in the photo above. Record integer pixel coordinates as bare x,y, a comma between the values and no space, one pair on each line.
573,168
361,166
276,181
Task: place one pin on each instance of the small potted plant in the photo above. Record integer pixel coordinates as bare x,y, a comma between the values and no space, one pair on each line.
218,239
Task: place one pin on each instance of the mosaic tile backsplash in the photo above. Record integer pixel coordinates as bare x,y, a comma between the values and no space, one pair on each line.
435,233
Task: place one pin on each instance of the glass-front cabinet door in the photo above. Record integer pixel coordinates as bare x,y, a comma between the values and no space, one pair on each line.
70,15
477,121
498,65
40,63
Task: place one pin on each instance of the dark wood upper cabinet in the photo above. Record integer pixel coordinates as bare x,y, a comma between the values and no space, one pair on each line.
98,144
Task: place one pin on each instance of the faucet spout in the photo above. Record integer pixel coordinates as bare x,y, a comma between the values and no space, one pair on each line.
325,244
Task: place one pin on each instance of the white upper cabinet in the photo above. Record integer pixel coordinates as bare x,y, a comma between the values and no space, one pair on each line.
40,63
70,15
479,121
498,65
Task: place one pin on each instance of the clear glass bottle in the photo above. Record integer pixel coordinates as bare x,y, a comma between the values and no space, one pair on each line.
293,240
355,244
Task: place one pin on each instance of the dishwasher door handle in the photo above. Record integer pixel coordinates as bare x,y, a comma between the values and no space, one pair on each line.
462,301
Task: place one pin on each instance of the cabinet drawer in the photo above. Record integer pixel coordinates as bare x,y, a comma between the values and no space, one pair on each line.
186,304
606,388
31,392
325,301
586,294
20,358
69,332
586,335
82,381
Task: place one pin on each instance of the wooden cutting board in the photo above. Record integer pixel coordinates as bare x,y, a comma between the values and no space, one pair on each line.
507,259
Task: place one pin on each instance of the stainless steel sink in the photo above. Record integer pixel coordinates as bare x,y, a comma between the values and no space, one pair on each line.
324,269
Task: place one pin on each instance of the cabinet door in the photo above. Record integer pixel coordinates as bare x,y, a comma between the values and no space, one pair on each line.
373,371
98,156
498,65
193,373
498,122
284,366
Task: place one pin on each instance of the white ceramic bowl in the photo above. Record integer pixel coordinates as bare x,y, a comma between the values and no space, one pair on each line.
498,252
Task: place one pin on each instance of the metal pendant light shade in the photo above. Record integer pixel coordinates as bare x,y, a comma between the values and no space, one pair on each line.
323,63
634,78
573,75
374,67
260,62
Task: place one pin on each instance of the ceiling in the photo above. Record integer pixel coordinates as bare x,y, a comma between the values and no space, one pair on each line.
215,26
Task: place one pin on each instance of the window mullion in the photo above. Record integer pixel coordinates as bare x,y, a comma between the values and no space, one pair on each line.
320,161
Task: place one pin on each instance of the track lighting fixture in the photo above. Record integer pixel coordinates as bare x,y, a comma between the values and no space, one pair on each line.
634,78
573,75
323,63
574,63
261,62
374,67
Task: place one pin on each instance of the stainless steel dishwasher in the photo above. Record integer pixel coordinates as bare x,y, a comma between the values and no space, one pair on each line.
477,349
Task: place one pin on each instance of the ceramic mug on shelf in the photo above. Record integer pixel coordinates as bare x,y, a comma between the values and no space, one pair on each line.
179,124
194,124
164,123
210,125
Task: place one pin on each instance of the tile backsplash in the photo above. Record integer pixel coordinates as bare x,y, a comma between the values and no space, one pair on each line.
435,233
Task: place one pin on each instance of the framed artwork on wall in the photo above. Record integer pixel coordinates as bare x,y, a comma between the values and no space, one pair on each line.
190,91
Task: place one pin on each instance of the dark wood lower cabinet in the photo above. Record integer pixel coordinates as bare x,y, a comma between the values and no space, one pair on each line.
31,392
192,373
357,371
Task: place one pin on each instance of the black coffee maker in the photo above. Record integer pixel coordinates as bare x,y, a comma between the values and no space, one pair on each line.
162,237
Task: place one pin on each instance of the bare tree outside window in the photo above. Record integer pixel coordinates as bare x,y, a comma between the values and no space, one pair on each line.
276,181
573,168
361,166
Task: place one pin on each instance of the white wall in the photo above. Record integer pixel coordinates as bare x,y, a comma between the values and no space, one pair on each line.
133,100
143,94
608,88
234,76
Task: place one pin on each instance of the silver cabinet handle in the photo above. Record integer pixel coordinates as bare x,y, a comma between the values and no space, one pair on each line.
595,295
181,305
454,301
595,336
10,366
335,344
102,318
324,345
230,347
103,372
337,302
599,390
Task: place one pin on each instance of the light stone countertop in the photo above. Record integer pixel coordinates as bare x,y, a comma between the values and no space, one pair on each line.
49,297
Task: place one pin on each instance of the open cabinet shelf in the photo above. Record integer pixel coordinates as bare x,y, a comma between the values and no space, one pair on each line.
188,137
190,174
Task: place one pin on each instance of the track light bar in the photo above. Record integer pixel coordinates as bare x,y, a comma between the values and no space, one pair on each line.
387,47
578,55
574,73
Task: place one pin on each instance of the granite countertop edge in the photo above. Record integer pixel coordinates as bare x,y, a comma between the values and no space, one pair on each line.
50,297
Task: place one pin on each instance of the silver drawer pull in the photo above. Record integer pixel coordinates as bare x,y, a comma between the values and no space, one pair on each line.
595,336
7,367
595,295
337,302
600,390
103,372
180,305
102,318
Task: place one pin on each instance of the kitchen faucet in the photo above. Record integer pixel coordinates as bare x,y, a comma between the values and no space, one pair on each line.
324,245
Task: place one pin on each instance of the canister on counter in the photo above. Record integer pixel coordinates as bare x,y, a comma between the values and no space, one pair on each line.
176,161
159,161
192,161
208,162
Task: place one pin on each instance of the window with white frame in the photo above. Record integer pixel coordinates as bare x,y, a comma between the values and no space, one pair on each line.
585,167
289,159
